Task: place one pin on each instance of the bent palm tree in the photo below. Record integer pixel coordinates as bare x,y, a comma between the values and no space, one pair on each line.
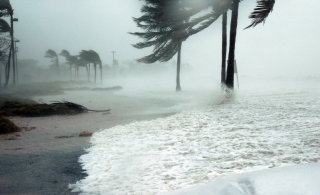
72,61
93,57
54,58
168,24
165,47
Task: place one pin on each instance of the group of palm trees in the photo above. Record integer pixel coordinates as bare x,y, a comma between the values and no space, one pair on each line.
84,59
6,10
167,23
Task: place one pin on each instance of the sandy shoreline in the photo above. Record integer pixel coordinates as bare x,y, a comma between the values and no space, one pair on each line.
38,163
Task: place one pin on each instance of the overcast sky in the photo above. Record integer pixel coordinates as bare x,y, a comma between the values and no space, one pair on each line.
287,45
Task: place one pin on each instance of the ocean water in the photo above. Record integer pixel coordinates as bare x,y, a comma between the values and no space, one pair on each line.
250,130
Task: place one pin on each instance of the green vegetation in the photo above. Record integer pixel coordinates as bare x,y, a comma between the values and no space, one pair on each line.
6,126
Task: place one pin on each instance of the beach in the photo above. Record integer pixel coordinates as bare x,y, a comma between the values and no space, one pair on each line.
34,161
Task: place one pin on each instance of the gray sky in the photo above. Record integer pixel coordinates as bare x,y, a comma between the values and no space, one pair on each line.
287,45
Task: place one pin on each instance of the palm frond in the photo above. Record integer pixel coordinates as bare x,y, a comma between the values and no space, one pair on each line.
50,54
4,26
64,53
5,4
5,8
261,12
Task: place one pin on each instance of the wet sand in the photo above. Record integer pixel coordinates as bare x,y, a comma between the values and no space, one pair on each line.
35,162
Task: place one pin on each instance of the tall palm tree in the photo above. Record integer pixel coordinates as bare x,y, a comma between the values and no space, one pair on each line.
165,47
258,16
83,63
54,58
97,61
72,61
93,57
170,28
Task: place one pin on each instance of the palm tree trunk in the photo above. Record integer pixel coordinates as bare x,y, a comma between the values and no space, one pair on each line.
58,71
95,73
224,48
178,87
233,35
70,71
87,72
16,66
13,55
0,80
7,72
75,72
101,71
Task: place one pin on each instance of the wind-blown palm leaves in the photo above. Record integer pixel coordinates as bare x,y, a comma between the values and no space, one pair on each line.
165,29
164,18
4,26
167,23
54,58
93,57
164,46
5,8
261,12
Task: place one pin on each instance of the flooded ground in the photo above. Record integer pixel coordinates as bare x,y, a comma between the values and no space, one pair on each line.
253,130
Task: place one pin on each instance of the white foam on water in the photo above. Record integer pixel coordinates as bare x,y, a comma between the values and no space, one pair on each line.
291,180
251,131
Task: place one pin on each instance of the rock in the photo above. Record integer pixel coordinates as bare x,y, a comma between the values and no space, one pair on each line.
85,134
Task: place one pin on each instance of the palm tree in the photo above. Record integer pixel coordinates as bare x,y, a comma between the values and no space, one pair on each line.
258,16
168,24
93,57
83,63
54,58
155,35
72,61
